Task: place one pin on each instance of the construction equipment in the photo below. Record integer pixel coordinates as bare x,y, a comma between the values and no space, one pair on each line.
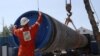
93,22
91,18
93,43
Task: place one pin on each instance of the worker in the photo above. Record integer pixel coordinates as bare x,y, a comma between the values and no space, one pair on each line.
27,36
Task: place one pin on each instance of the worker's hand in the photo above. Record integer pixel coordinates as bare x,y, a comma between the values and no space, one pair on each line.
40,13
14,26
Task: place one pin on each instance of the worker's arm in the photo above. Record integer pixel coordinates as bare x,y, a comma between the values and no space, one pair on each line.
15,30
35,26
39,20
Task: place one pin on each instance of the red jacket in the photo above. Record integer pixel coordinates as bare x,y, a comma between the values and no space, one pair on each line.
27,38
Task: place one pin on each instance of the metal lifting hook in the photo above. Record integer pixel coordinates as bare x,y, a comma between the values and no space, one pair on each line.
68,8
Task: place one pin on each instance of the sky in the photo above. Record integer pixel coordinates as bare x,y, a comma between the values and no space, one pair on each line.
10,10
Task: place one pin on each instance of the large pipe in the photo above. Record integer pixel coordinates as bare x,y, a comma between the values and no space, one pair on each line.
53,35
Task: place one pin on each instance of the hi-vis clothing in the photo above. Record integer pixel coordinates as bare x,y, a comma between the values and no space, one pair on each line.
27,38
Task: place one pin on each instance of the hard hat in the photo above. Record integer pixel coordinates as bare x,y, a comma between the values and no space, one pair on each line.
24,21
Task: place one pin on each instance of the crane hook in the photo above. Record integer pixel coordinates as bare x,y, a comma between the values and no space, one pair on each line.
68,8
